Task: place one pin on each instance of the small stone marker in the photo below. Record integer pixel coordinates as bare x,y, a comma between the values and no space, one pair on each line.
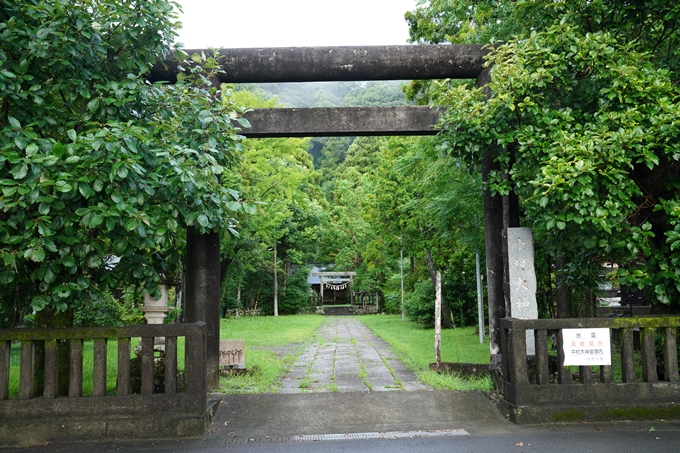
522,278
232,354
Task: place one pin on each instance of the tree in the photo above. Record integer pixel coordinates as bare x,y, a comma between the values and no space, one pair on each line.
426,203
376,94
462,22
583,122
95,161
280,190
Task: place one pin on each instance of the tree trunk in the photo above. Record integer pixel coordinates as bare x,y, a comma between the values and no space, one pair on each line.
287,265
437,317
562,291
238,300
493,226
552,309
447,322
590,309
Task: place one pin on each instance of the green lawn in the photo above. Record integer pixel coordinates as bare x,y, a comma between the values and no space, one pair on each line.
415,346
272,344
88,366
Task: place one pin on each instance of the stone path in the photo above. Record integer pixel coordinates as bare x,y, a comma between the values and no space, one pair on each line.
347,357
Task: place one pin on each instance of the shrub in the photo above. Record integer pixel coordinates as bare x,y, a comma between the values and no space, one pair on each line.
296,295
459,288
101,310
419,304
392,293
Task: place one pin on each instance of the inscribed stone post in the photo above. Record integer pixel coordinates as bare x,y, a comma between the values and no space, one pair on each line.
522,278
233,354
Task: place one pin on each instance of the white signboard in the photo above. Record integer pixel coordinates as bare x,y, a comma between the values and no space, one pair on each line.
587,347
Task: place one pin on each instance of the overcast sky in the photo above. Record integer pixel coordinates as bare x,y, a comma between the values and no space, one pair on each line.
284,23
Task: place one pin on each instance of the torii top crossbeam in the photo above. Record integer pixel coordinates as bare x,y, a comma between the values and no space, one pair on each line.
351,63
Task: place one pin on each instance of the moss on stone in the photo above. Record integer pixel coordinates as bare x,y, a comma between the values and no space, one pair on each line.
568,416
620,413
640,413
647,321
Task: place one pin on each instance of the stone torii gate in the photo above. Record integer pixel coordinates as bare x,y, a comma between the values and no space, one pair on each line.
313,64
344,276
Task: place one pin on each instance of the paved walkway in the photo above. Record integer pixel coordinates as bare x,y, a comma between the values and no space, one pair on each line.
347,357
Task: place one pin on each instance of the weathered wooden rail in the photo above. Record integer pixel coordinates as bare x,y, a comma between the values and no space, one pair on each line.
533,395
152,412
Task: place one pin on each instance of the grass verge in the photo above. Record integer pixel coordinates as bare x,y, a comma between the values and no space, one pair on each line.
272,345
415,346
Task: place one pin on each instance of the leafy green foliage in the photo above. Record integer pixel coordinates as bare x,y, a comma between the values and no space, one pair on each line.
459,293
460,22
376,94
100,311
459,287
419,304
283,205
585,123
94,161
295,296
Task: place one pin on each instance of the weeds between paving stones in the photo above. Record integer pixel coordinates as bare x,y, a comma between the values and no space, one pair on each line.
363,375
305,383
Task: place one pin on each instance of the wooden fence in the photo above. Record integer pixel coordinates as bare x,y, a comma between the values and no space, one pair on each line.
641,382
153,412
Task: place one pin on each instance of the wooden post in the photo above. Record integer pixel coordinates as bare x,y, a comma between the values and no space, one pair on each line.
438,318
401,271
276,285
99,373
351,290
480,304
75,381
670,356
123,386
321,281
51,388
27,370
4,369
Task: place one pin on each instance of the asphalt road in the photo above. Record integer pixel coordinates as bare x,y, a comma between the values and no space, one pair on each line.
632,438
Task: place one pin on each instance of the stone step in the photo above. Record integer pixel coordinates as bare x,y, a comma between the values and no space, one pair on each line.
339,311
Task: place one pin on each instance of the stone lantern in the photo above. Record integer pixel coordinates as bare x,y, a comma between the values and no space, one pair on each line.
155,309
